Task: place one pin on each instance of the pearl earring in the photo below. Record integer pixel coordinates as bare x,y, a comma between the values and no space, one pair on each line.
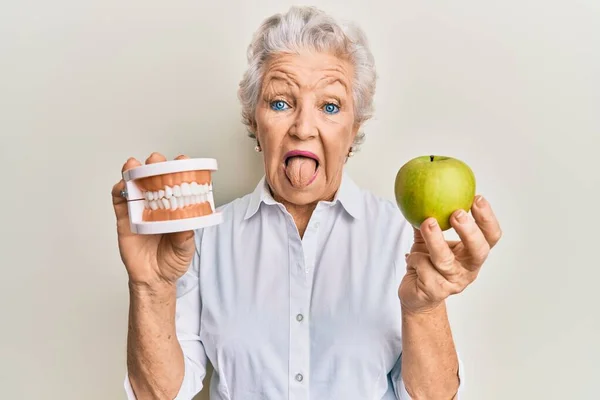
257,148
351,153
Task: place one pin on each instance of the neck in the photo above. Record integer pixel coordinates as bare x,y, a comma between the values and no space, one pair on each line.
302,212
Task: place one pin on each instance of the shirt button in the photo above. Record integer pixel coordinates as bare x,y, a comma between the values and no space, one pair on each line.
299,317
299,377
317,225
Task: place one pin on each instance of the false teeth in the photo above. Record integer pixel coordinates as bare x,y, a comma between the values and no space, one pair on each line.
177,191
185,189
178,196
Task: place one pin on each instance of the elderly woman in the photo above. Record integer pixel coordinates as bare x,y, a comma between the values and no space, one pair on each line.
311,288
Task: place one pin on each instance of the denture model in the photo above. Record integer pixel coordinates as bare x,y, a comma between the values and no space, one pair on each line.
171,196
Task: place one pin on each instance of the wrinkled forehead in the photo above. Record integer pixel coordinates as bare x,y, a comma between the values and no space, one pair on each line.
310,71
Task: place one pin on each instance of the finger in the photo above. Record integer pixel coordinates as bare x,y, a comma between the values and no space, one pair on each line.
418,236
119,202
153,182
440,253
429,280
121,210
472,238
130,163
419,244
487,221
155,158
116,192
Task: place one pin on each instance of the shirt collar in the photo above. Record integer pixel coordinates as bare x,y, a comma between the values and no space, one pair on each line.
349,195
261,194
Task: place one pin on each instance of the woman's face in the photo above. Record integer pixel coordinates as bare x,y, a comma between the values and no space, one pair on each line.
305,125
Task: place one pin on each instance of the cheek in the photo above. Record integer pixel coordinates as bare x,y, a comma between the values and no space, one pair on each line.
271,126
270,133
337,141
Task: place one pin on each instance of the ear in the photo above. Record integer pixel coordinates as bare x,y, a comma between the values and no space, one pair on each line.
252,128
355,128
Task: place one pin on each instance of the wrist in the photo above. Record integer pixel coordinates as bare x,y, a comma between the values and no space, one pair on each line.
433,310
157,289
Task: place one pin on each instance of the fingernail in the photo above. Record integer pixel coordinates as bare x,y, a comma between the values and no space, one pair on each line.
480,201
461,216
433,224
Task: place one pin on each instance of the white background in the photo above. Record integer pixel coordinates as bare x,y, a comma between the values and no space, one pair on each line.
511,87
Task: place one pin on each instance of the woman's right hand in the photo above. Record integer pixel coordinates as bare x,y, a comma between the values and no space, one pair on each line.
150,260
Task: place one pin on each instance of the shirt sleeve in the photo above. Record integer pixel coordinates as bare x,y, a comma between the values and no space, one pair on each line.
187,321
400,388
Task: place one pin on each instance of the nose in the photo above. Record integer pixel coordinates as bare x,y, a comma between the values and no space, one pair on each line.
305,126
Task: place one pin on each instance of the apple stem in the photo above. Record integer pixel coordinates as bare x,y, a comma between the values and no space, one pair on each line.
431,158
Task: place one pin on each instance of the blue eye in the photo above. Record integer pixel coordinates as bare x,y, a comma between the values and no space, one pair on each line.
331,108
278,105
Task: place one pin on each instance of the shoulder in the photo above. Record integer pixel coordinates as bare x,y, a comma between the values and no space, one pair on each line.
235,210
382,217
382,209
233,213
377,205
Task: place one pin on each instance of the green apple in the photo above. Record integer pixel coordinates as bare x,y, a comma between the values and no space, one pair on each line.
434,186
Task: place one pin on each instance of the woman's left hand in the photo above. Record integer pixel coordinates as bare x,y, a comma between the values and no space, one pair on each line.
437,268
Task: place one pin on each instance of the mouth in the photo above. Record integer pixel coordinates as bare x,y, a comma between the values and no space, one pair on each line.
300,153
301,167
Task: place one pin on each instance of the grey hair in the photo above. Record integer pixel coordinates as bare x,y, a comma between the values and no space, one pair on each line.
308,28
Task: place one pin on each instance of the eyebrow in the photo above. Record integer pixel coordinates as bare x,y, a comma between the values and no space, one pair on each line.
281,77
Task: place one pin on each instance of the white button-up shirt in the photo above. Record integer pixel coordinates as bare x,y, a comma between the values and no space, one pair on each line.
283,317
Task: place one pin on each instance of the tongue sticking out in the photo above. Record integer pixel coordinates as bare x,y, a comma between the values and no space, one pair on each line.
300,170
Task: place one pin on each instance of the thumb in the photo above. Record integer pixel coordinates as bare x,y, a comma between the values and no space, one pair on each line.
183,242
